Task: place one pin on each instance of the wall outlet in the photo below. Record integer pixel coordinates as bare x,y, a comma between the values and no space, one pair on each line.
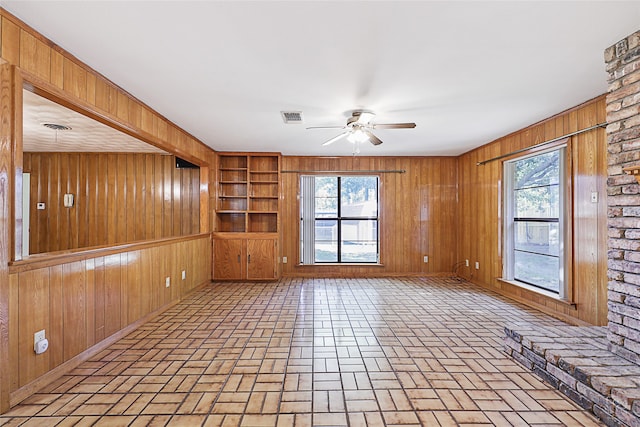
466,262
184,274
477,265
38,336
167,282
284,259
594,197
426,258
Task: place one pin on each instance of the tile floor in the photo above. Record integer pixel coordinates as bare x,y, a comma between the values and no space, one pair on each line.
322,352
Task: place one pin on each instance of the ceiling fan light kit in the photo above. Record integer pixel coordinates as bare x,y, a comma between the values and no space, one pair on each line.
359,127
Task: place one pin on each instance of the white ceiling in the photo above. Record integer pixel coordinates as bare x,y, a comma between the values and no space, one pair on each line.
466,72
84,135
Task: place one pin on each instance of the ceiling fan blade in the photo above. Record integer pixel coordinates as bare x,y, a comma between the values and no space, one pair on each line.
394,126
372,138
334,139
326,127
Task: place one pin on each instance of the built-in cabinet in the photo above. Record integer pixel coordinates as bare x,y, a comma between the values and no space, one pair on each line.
247,217
241,256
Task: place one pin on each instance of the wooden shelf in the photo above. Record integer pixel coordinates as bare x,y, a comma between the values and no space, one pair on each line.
248,193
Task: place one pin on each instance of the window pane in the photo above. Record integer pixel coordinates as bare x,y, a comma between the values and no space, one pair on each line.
326,193
359,196
537,237
537,202
359,241
359,251
326,242
536,171
538,270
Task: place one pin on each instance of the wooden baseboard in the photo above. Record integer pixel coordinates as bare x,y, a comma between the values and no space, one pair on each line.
368,275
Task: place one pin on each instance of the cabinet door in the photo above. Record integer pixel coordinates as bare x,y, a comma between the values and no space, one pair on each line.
261,259
228,259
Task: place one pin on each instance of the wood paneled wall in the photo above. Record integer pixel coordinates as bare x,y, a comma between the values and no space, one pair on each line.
26,56
417,214
479,213
119,198
81,302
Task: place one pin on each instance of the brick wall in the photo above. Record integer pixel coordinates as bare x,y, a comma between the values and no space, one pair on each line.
623,137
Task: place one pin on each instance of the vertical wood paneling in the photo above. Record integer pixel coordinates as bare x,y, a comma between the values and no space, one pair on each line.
99,303
56,321
112,199
33,301
120,231
90,311
80,303
415,209
479,213
35,56
112,295
130,197
23,47
57,69
177,198
111,205
10,42
147,201
74,309
12,380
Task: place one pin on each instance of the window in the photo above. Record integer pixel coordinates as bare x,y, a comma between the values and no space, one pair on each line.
339,219
534,221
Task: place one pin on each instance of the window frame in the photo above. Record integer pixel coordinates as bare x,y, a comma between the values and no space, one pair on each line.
338,219
563,221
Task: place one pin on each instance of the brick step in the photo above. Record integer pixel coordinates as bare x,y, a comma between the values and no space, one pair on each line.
576,361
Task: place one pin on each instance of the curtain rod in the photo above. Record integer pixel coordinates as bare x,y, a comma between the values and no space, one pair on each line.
578,132
347,171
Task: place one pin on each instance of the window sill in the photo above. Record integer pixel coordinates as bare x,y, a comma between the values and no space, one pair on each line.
342,264
539,291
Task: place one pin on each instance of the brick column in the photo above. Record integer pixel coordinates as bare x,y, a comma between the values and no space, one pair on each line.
623,201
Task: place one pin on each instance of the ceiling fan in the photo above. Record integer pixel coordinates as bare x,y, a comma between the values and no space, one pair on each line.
359,127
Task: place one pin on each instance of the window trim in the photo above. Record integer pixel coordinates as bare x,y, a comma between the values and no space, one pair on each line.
564,222
311,219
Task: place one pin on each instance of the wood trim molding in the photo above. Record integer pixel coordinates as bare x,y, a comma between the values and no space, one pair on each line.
47,90
6,129
57,258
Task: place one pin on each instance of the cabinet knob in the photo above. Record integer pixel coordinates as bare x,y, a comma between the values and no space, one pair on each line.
249,259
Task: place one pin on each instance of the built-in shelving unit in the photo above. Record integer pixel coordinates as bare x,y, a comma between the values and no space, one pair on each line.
248,193
247,216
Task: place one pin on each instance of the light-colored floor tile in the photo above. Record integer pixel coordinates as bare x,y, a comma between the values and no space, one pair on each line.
312,352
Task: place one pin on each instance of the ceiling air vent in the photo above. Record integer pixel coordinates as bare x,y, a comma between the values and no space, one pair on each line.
291,117
56,126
